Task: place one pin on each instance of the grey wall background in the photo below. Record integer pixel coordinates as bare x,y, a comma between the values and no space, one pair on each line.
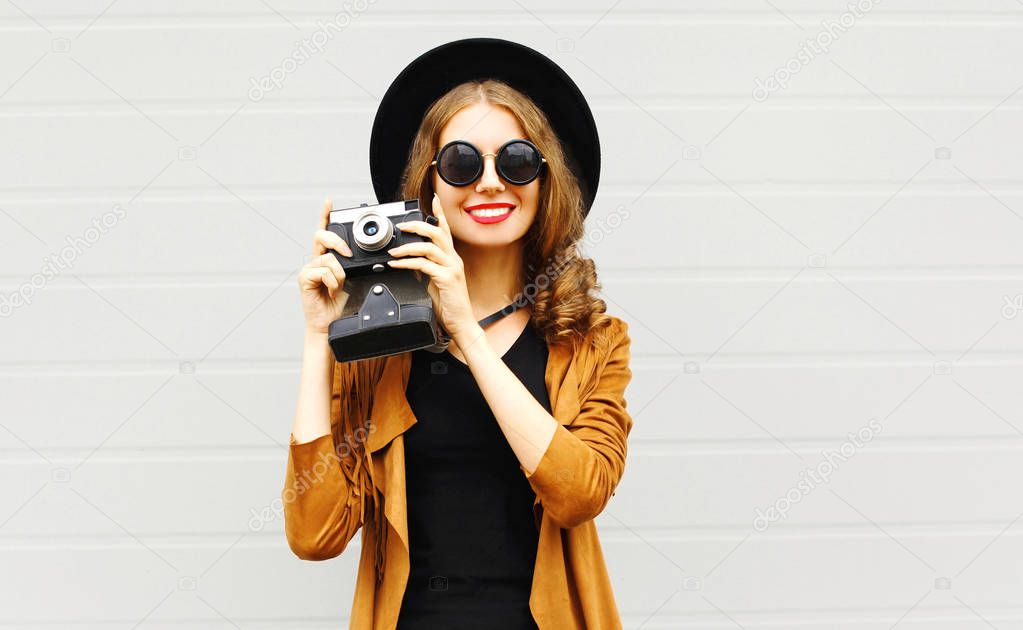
798,264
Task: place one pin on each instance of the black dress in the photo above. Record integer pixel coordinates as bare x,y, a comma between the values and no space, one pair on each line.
472,535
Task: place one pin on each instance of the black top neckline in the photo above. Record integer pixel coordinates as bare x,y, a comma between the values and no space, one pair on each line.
515,344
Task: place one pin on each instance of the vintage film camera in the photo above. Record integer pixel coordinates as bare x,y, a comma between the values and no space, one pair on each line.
388,311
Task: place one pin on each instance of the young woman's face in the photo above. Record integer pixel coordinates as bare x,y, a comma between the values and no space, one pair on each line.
487,127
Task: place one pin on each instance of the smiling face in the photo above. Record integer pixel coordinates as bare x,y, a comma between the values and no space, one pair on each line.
487,127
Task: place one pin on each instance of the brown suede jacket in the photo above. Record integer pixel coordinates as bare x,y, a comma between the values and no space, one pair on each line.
355,476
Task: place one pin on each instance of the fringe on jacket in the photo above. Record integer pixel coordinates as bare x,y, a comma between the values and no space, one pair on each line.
351,404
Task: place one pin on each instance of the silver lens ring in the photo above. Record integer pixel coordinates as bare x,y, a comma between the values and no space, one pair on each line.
372,242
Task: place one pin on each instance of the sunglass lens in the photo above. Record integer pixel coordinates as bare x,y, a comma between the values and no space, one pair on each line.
459,163
519,162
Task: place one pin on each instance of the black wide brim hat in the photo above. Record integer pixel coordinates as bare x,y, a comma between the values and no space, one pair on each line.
436,71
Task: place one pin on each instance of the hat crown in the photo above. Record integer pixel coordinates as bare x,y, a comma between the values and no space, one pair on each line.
435,72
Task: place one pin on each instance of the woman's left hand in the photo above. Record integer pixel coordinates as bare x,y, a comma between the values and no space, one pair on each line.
438,259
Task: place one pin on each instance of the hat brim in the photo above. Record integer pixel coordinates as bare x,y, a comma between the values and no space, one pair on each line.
436,71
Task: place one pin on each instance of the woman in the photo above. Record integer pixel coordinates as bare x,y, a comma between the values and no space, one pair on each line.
483,466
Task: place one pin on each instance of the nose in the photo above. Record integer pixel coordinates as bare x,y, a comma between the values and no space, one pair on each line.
489,181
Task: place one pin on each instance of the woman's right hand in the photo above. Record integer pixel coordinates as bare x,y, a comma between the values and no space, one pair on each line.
321,282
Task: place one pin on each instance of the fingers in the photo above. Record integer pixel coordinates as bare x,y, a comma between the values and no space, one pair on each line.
438,211
311,278
331,262
427,249
435,233
324,240
320,267
320,247
328,205
327,277
425,265
432,232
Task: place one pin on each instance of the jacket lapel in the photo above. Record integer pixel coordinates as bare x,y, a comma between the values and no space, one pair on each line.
390,414
390,417
562,386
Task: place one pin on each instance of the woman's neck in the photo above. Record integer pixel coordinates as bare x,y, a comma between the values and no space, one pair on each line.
493,276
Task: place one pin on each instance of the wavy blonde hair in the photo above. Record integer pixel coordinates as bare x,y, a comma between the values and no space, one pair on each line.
558,280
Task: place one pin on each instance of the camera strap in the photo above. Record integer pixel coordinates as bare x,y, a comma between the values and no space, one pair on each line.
519,302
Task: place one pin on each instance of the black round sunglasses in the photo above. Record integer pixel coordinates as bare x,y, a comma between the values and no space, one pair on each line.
460,163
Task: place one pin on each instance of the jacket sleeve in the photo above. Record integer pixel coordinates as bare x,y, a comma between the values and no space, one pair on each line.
585,460
322,508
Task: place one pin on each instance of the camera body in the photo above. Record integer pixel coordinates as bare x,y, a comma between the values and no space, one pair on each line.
387,310
370,232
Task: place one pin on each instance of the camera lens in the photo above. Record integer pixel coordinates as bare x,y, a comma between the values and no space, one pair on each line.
373,230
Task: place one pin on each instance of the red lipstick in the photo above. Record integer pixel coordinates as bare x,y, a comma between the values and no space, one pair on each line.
490,219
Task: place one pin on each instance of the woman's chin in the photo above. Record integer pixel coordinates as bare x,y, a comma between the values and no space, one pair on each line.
491,238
